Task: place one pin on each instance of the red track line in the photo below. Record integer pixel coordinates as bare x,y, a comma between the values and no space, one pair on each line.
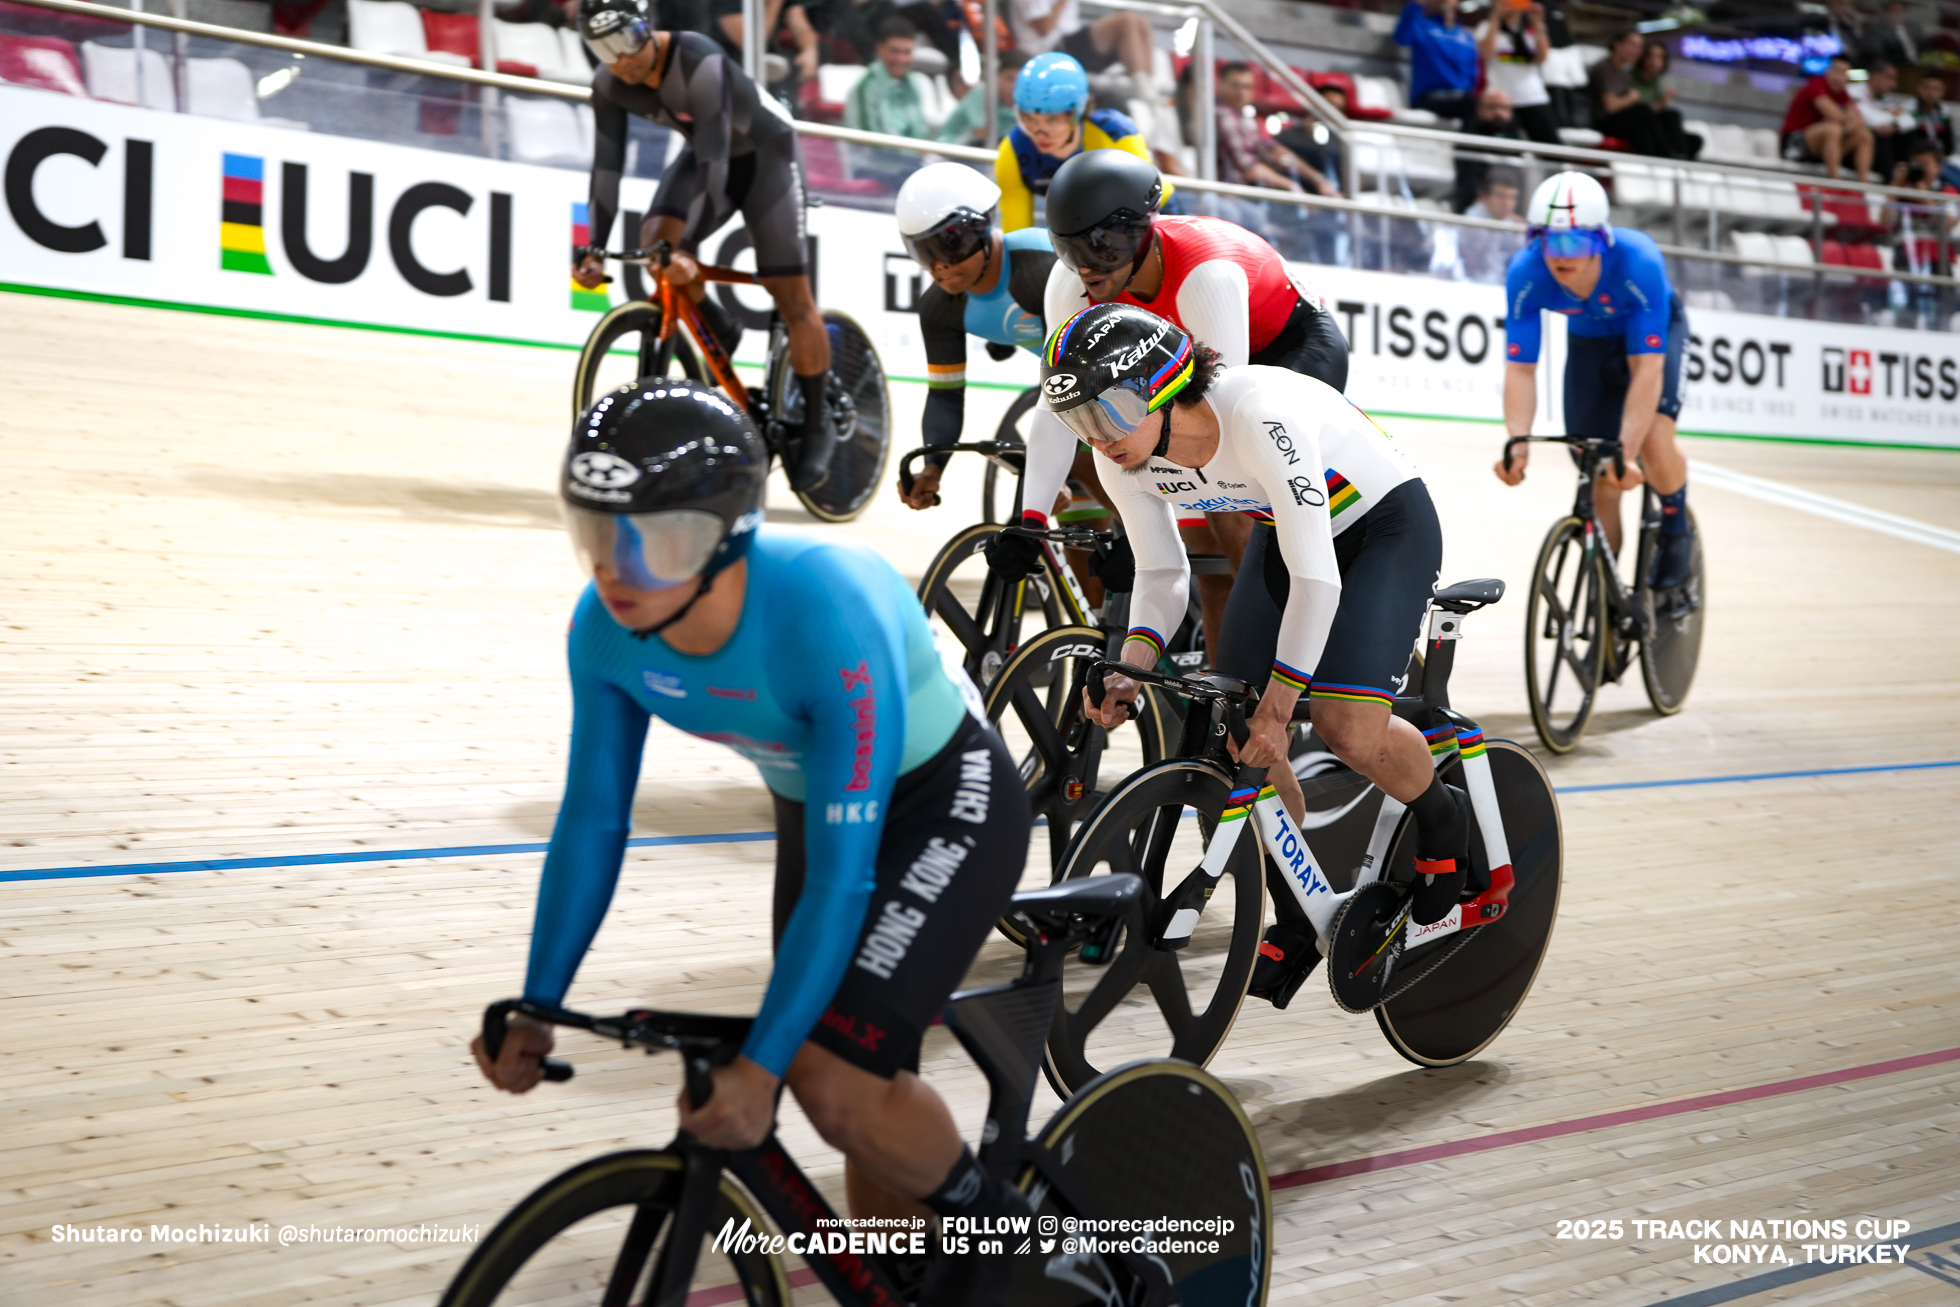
1652,1112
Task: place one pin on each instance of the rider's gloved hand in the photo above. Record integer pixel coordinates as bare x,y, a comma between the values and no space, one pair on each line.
1000,353
1013,556
1117,569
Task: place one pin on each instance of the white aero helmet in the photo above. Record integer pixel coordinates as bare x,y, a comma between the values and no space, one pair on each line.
946,213
1570,215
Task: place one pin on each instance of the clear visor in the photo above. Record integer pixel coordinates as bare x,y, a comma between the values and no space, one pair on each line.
1572,242
648,551
626,39
1103,248
1108,417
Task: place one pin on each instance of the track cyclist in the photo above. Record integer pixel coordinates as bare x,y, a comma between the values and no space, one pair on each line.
1052,123
1626,332
741,154
1214,279
1330,598
985,282
901,823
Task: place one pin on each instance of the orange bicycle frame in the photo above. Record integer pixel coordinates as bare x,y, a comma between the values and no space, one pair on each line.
677,308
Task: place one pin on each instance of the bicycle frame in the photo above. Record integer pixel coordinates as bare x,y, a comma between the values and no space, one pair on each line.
1300,869
677,309
1585,506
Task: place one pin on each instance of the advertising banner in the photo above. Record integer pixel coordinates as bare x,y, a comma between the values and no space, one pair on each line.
111,200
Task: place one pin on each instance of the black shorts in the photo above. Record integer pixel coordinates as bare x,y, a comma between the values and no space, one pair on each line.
766,185
1597,377
1311,344
943,881
1390,561
1081,46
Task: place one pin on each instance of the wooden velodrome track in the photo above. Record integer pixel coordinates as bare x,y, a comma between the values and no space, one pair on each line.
274,592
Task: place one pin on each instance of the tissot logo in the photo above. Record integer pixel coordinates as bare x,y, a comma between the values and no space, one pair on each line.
606,471
1884,374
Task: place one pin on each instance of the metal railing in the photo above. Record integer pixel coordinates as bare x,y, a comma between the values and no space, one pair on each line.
1353,132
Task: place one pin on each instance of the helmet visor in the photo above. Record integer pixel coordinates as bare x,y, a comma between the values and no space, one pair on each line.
1110,416
648,551
1105,247
627,38
1571,242
955,239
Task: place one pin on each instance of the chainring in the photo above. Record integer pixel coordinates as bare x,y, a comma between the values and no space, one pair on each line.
1364,944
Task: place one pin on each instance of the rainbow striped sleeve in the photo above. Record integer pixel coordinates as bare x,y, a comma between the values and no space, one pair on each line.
945,376
1291,677
1148,636
1352,693
1341,496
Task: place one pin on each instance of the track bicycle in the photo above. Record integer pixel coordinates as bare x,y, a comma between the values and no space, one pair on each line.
674,340
1583,622
1439,993
692,1224
1010,435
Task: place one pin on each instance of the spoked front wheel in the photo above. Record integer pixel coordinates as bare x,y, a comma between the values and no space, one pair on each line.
1036,705
1157,825
1472,982
1566,633
1143,1142
625,346
985,615
596,1236
1672,649
860,409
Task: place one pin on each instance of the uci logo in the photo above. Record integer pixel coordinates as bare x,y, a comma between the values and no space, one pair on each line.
1058,385
604,471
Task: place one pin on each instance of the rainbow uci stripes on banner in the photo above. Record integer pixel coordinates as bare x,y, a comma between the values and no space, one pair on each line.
595,301
241,230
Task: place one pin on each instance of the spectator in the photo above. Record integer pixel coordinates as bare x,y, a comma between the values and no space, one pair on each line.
1483,254
1887,114
967,124
1927,228
728,30
1820,126
1443,61
1246,155
1314,145
1618,110
1650,79
1512,43
1929,117
1493,119
1894,39
1043,25
1848,25
886,99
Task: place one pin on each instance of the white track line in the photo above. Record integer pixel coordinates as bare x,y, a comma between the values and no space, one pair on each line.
1872,519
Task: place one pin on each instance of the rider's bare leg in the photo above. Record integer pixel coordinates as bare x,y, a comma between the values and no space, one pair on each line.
809,343
897,1137
1663,465
1381,746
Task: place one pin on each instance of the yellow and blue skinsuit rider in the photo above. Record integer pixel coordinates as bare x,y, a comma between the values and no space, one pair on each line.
1055,83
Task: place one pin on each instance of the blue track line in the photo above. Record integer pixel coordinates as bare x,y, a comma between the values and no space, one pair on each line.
761,836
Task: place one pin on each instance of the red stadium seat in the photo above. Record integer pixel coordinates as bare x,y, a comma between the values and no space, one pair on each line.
451,34
44,61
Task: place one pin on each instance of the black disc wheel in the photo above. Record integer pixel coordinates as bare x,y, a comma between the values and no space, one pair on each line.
625,346
860,410
1149,1141
1566,634
1013,430
1036,705
595,1236
1180,1003
1672,649
985,617
1450,998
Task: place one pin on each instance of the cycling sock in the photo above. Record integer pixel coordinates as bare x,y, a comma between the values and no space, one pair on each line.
1674,513
968,1190
1442,851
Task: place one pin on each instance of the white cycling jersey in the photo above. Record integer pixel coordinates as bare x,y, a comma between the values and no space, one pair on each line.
1292,452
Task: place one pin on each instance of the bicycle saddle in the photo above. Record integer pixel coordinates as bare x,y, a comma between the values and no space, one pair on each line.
1469,596
1099,897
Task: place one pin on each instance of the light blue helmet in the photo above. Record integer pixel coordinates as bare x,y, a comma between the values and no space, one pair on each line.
1052,83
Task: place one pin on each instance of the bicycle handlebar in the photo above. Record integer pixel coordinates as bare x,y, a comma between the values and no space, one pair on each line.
1590,444
1007,454
661,252
702,1042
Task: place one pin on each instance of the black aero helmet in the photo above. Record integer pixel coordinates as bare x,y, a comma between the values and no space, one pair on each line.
1112,365
662,483
614,29
1102,209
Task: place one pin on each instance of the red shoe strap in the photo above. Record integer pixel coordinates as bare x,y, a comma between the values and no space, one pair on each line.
1440,867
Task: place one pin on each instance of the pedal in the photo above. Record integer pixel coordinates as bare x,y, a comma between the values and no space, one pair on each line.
1365,943
1288,953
